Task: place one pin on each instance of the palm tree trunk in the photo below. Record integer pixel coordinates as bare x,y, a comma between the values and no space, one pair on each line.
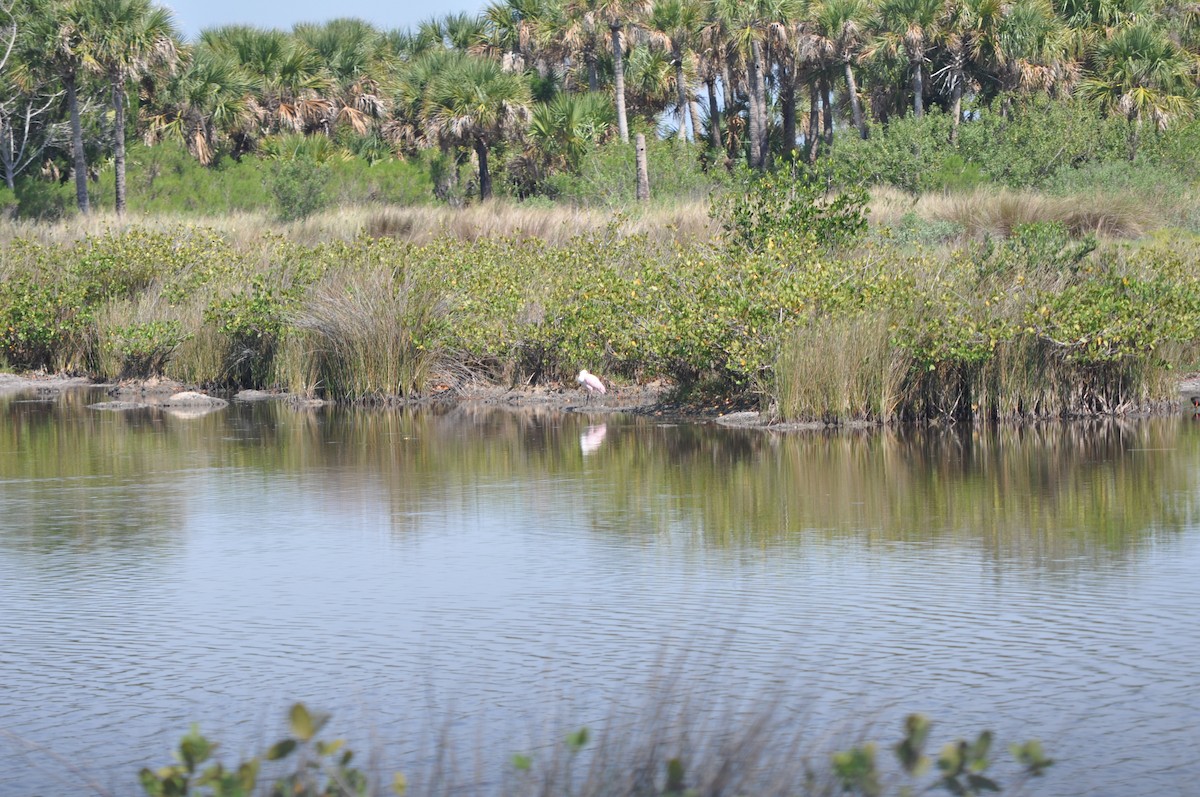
787,102
759,90
827,109
1132,140
714,117
752,117
694,112
118,92
79,163
485,176
918,87
619,80
855,106
681,91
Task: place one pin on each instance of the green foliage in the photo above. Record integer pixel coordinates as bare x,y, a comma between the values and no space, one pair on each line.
298,185
319,768
962,766
607,175
793,206
144,349
1039,247
43,200
40,317
1035,144
188,777
857,771
1036,324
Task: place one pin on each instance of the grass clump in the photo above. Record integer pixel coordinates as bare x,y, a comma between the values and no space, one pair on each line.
371,335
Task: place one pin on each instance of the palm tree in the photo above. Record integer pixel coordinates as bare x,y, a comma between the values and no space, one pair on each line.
840,28
58,35
747,28
616,14
971,36
908,28
675,25
1032,51
1143,76
649,82
293,86
126,39
476,104
206,105
563,130
355,57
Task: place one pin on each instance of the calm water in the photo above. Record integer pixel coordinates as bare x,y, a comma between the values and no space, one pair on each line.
499,576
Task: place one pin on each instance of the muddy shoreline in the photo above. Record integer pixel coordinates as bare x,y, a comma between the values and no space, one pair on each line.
656,399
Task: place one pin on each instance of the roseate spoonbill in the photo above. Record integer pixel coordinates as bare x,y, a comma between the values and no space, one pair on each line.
591,383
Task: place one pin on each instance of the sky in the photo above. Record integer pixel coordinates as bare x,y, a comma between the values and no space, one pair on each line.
192,16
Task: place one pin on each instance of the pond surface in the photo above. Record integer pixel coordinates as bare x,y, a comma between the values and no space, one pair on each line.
499,576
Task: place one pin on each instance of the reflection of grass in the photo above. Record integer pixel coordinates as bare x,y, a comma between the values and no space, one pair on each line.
1038,493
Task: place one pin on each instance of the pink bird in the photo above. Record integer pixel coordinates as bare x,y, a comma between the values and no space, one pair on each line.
591,383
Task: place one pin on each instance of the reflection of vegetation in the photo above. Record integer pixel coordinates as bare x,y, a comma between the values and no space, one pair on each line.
664,756
1043,493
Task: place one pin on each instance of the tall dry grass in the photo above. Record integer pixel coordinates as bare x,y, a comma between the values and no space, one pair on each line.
365,336
997,212
417,224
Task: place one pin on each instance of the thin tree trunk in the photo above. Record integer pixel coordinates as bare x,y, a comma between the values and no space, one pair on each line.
726,85
814,121
1134,129
759,89
731,142
643,173
119,142
77,157
619,80
485,175
681,91
714,116
6,148
827,109
918,87
787,102
956,93
855,106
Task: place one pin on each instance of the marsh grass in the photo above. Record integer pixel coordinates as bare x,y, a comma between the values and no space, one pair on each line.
367,336
841,369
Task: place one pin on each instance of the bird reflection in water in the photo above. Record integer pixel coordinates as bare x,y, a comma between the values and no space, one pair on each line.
592,437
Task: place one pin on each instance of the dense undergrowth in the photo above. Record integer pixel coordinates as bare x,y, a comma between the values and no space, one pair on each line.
793,301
